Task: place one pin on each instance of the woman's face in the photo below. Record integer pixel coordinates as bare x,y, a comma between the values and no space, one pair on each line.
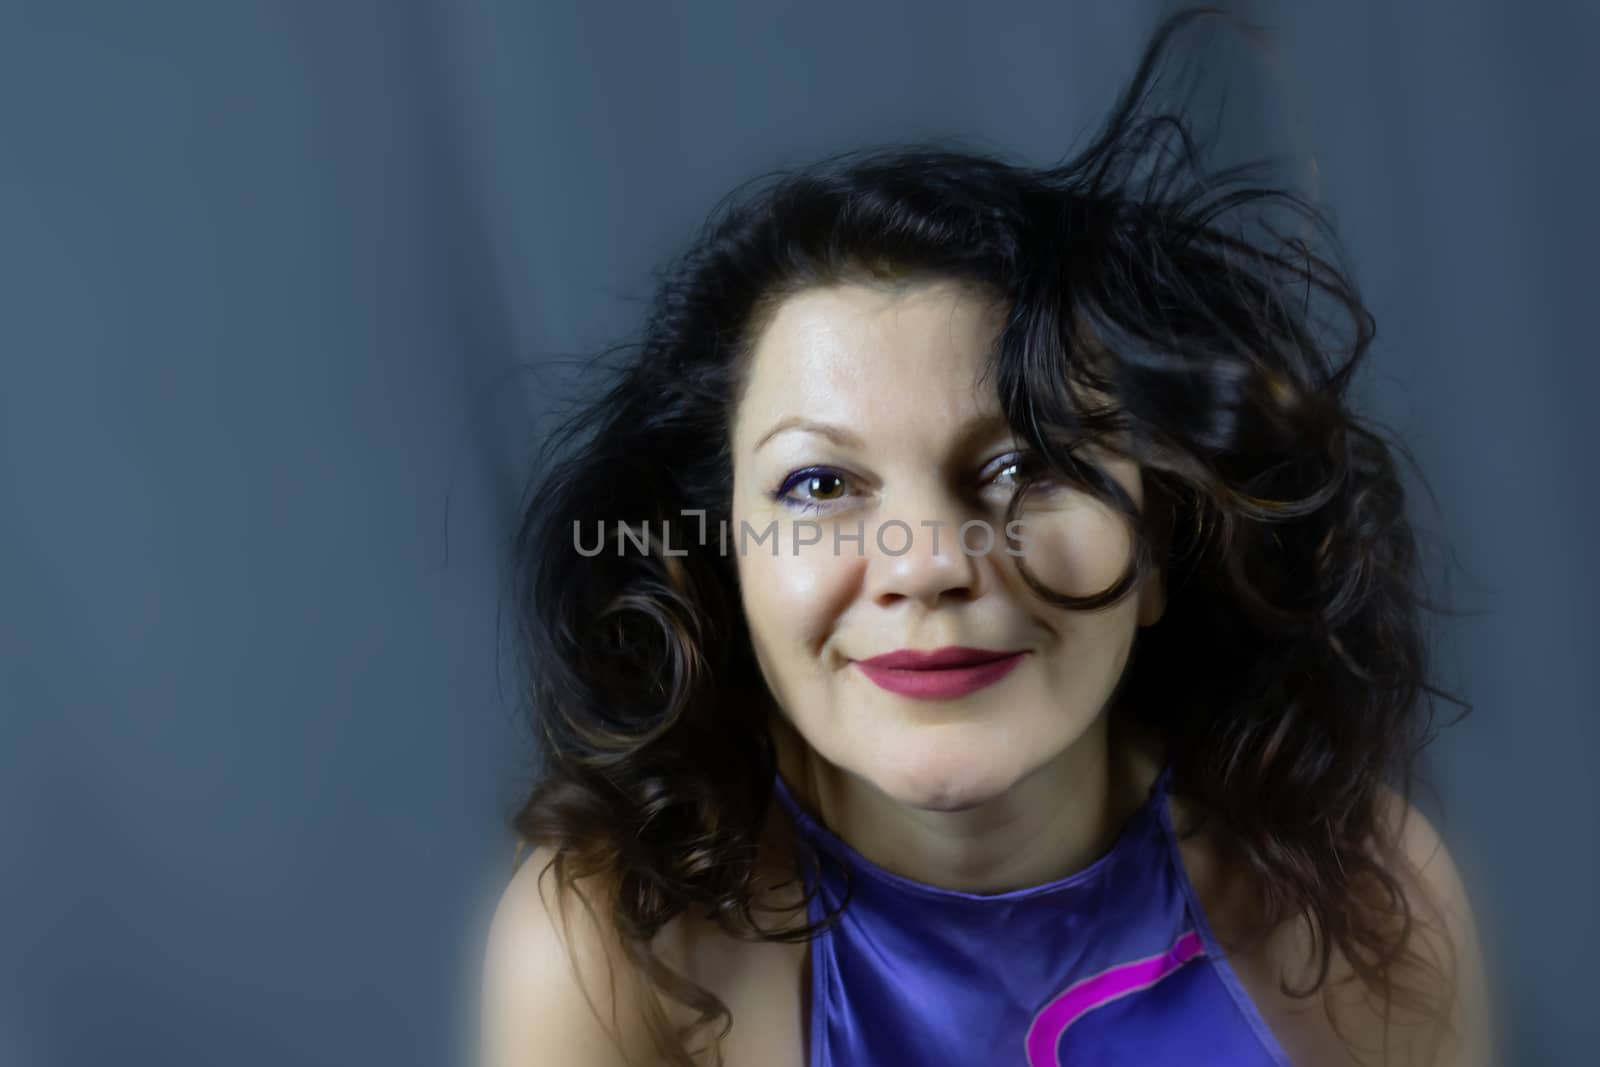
863,412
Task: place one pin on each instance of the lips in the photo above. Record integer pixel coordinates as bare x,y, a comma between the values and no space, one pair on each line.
940,674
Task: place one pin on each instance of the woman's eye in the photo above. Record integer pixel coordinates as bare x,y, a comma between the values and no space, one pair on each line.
1007,474
1010,472
824,487
1009,469
808,488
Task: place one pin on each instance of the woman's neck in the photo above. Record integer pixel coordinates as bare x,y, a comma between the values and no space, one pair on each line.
1052,823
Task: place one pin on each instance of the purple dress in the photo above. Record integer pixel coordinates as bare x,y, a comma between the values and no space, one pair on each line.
1112,965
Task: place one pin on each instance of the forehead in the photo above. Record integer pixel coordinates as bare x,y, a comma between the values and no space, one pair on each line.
855,351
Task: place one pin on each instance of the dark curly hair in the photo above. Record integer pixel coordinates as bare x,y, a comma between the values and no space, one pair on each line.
1193,315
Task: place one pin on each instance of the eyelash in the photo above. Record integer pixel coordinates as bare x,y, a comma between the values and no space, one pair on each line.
805,474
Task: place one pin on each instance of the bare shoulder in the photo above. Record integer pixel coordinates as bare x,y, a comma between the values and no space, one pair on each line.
1446,930
1447,960
558,987
1442,933
1433,869
554,983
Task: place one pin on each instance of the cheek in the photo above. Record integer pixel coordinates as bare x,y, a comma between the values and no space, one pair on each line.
1076,546
793,602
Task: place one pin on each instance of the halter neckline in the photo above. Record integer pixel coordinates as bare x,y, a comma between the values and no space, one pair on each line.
1148,815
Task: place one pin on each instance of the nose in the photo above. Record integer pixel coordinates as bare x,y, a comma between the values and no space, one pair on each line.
923,559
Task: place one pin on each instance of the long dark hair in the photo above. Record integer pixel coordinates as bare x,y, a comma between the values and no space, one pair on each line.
1194,315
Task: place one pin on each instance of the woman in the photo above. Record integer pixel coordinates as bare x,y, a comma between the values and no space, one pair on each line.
974,628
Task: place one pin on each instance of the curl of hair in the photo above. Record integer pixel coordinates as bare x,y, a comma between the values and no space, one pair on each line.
1151,307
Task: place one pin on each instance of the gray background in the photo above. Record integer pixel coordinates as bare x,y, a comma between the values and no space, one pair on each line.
268,272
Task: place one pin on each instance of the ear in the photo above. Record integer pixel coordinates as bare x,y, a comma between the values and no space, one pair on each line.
1153,594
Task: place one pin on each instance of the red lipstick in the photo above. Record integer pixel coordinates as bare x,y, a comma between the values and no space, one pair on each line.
942,674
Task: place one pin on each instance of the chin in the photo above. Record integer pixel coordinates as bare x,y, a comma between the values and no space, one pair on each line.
963,780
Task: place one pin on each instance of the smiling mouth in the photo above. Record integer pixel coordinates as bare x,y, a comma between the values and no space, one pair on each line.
942,674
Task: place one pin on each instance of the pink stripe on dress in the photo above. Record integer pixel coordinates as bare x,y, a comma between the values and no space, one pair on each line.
1085,995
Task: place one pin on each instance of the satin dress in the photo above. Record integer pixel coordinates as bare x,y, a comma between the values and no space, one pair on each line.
1112,965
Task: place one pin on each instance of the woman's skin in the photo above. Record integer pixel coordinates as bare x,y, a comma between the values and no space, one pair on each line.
882,390
1012,785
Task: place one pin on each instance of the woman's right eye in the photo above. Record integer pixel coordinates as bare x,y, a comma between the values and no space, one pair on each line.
812,488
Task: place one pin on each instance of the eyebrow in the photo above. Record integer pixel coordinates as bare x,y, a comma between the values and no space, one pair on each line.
837,434
970,431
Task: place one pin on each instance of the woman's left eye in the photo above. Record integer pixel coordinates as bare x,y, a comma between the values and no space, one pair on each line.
1009,468
1010,472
